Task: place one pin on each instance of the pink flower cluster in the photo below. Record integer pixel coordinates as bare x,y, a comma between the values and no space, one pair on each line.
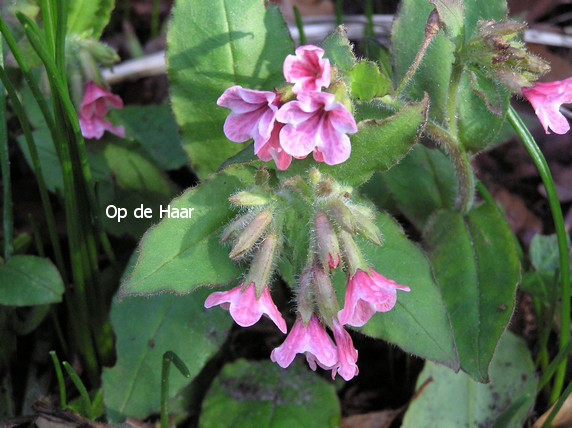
94,107
366,294
546,99
313,123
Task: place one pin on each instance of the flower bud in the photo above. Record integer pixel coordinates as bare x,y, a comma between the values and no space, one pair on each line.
352,254
249,199
342,215
250,234
232,230
263,264
366,227
324,294
262,176
327,242
497,50
304,295
315,176
286,93
102,53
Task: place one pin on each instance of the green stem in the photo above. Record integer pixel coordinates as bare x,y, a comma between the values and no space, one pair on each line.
452,98
548,422
86,401
300,25
155,18
7,214
369,15
168,358
60,377
339,12
44,196
556,209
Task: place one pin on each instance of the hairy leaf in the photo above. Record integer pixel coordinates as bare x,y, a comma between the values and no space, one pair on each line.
89,16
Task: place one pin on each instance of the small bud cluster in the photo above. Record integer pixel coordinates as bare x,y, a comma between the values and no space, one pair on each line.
336,220
497,49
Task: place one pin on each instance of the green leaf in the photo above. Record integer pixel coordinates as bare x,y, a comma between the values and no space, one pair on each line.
367,81
455,400
154,127
89,16
544,255
477,268
418,323
211,46
451,14
377,146
145,329
180,255
423,182
261,394
30,280
339,50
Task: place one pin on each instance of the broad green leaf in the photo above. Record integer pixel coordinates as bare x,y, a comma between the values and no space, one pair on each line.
451,14
89,16
261,394
30,280
476,266
377,52
367,81
377,146
434,74
147,327
339,50
418,323
544,255
423,182
211,46
452,400
478,126
180,255
154,127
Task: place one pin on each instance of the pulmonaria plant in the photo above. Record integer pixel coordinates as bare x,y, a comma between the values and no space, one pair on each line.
282,127
257,236
93,111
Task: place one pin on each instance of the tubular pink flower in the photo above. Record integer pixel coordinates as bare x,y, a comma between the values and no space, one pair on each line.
311,340
272,150
308,70
366,294
347,354
245,308
94,108
546,99
316,122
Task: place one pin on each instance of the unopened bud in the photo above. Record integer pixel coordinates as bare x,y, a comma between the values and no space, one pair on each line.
304,295
315,176
342,215
327,242
324,294
262,176
263,264
286,93
433,24
251,234
352,254
233,229
249,199
102,53
367,227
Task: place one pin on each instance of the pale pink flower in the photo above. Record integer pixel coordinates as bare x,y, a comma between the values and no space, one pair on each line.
546,99
252,115
272,150
366,294
310,339
347,355
316,123
94,107
308,70
245,308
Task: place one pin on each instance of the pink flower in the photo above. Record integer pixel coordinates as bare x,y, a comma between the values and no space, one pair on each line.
252,116
310,339
546,98
245,308
316,122
347,354
367,293
273,150
307,69
94,107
